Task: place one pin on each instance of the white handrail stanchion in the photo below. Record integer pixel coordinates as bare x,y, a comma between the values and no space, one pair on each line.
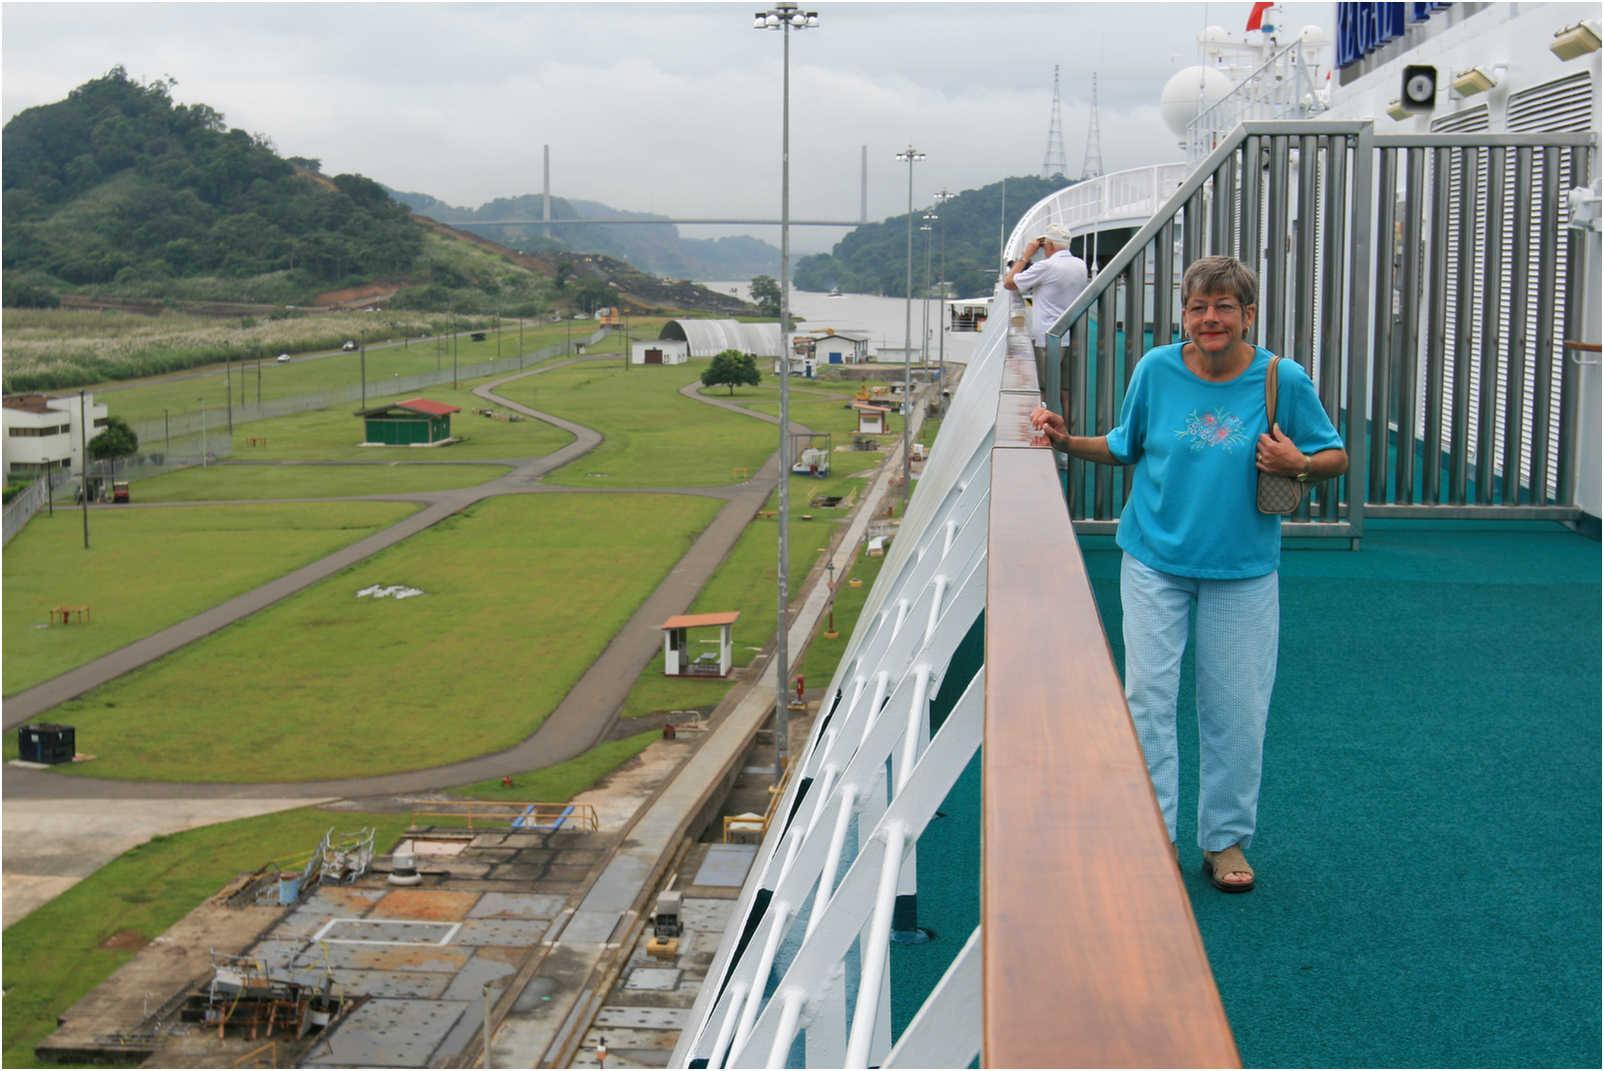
877,951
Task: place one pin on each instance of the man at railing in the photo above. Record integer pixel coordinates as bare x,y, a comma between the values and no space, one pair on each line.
1194,425
1054,282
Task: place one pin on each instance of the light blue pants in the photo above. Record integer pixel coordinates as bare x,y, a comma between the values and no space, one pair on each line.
1238,634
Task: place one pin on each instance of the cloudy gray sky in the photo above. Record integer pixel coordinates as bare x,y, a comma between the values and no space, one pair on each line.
670,108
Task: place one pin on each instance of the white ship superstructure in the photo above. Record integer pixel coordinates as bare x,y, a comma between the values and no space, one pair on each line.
1437,275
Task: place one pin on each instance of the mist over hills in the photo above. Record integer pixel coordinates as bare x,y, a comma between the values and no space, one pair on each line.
654,247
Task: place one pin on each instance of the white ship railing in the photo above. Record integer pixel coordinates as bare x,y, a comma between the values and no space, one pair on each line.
1428,283
1119,199
1282,87
805,974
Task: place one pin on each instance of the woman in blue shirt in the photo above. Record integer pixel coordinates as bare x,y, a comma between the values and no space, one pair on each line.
1193,424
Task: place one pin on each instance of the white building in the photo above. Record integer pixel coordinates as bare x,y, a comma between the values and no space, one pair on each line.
841,347
42,433
659,351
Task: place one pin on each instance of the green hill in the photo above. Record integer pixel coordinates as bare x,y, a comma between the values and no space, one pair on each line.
873,258
119,189
117,194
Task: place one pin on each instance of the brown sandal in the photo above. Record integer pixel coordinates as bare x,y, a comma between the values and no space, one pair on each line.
1230,861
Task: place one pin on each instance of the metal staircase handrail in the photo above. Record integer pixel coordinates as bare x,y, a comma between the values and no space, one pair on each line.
1109,274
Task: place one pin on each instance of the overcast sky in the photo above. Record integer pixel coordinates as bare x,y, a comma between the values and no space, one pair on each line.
668,108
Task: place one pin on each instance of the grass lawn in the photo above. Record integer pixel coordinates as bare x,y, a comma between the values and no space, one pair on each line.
148,569
521,594
141,401
334,435
564,781
820,408
744,581
654,437
823,655
232,480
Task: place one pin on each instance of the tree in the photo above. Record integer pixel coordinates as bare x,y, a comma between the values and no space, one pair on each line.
732,369
115,440
766,292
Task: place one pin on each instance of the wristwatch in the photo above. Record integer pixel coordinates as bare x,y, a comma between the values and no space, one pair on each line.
1308,462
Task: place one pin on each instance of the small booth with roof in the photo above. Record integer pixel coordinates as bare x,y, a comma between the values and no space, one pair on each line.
414,422
871,418
678,658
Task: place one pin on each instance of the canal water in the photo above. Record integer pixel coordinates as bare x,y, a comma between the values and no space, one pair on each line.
882,318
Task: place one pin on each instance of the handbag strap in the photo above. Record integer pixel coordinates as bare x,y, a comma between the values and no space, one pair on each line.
1270,391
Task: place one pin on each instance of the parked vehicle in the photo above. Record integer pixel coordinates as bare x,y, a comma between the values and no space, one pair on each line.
348,346
283,358
119,491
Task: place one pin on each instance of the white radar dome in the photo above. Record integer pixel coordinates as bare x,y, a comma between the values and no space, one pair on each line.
1188,93
1313,36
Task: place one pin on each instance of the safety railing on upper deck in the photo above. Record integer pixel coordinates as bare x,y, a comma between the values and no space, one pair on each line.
1131,196
1078,946
1426,282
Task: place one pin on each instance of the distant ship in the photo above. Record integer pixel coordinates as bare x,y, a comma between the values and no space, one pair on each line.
835,291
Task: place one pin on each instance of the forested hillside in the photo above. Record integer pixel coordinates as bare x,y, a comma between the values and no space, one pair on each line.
117,193
658,248
119,186
873,258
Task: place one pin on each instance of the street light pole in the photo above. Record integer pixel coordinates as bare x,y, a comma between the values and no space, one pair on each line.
928,227
943,195
912,156
785,17
83,461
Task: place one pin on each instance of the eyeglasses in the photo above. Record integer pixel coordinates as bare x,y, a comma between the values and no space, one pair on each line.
1221,308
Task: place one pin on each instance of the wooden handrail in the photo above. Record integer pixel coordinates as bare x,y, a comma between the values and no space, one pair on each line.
1091,956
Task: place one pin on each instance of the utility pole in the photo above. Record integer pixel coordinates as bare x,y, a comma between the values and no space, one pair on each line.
362,358
83,461
943,195
228,392
911,155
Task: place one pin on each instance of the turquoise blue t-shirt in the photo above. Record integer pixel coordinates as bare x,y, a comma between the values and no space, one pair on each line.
1191,510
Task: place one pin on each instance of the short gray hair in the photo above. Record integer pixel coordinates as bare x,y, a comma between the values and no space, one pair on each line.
1220,275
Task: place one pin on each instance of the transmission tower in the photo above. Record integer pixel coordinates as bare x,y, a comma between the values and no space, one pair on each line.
1053,164
1093,166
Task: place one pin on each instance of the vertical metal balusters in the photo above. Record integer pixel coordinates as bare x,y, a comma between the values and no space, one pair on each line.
1519,335
1464,323
1384,342
1492,292
1547,275
1407,365
1273,284
1436,329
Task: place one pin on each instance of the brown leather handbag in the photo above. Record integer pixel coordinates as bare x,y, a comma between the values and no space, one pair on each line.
1276,494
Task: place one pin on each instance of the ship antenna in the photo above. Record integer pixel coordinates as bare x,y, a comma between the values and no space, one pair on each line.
1053,164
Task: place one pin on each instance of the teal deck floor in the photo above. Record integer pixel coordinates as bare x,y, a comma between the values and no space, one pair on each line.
1429,836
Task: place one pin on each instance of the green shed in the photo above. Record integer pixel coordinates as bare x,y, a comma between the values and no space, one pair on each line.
414,422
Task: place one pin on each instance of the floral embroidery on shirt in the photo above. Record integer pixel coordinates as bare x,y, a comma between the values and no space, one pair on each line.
1213,428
